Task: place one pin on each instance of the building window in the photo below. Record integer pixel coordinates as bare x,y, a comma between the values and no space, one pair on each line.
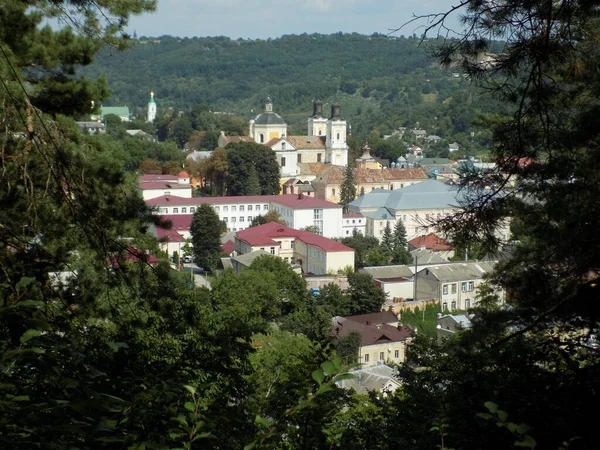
224,219
272,250
193,210
467,304
293,244
463,286
471,286
175,210
241,218
453,288
299,158
347,231
353,221
445,306
265,208
453,305
333,192
318,220
249,207
261,138
338,136
241,208
233,209
367,358
225,208
283,146
381,356
319,154
233,219
445,289
257,207
282,162
162,210
183,210
397,354
167,192
249,218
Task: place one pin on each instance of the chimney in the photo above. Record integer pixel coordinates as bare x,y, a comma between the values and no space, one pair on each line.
300,195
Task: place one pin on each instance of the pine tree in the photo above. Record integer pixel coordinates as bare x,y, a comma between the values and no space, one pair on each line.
386,239
400,253
348,188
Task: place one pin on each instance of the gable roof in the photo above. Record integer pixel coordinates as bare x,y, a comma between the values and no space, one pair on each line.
428,194
376,318
265,235
312,168
307,142
247,258
168,235
335,175
427,257
370,334
461,271
228,247
179,222
431,242
387,272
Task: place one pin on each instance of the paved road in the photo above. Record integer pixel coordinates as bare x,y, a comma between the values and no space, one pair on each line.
199,278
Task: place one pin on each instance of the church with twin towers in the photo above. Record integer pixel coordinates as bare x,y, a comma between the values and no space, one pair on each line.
325,141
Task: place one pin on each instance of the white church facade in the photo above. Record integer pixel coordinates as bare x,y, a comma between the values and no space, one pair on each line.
324,142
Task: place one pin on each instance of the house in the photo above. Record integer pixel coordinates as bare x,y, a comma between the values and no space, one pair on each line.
298,211
169,241
417,205
433,243
396,281
315,254
379,378
155,186
383,337
449,324
224,140
328,185
92,127
414,150
141,134
353,223
453,147
454,285
242,262
418,135
433,139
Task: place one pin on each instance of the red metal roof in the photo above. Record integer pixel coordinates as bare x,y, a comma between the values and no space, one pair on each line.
179,222
162,185
265,235
170,235
156,177
290,200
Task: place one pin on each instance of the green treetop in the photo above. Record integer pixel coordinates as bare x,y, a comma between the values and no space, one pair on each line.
348,188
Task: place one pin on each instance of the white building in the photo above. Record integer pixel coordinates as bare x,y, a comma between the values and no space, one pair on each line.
298,211
353,222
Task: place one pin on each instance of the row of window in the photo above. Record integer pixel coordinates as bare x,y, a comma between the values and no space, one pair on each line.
353,221
184,210
241,208
465,286
366,356
299,157
234,219
453,305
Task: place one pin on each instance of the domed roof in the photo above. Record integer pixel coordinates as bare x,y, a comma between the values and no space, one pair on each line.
269,118
183,174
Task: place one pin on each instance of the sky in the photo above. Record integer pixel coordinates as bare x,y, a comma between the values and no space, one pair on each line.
261,19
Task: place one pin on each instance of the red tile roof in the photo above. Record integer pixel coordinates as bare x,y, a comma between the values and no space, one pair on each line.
431,242
335,175
289,200
307,142
371,334
265,235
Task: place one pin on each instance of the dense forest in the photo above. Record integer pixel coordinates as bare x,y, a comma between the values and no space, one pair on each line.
382,82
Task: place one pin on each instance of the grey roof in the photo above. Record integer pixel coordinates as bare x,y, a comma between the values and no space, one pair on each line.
226,263
197,155
380,214
269,118
427,257
461,271
247,258
374,378
428,194
387,272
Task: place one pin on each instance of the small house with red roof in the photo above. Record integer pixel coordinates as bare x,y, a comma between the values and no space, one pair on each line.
383,339
433,243
315,254
153,186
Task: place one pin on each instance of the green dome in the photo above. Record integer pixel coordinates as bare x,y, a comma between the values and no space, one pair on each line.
269,118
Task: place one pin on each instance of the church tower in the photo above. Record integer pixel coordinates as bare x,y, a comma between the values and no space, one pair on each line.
151,109
267,125
317,123
336,151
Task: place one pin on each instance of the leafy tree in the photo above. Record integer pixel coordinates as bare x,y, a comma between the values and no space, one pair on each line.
271,216
361,245
206,233
242,160
215,168
181,131
347,347
365,296
376,256
348,188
